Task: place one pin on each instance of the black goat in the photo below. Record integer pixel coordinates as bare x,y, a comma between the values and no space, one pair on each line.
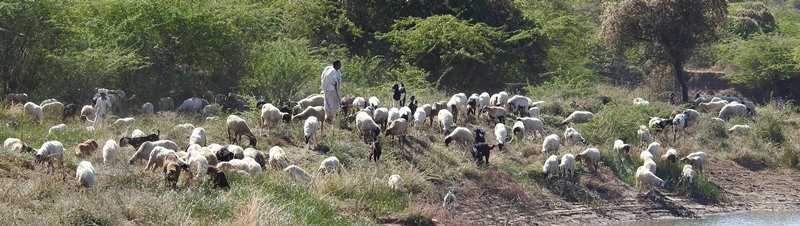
137,141
375,151
399,93
480,136
481,152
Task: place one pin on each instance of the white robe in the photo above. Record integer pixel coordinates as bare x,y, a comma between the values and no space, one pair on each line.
102,107
331,86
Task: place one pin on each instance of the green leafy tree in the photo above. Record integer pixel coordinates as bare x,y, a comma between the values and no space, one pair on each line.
668,31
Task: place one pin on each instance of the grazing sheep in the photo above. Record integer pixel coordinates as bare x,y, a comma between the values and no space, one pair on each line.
330,165
399,95
360,102
472,103
453,105
238,127
136,142
739,129
221,153
277,158
34,110
550,165
589,157
461,135
123,123
238,152
733,109
381,116
88,111
156,158
691,115
314,100
751,108
405,112
256,155
237,166
650,165
86,148
644,135
570,134
483,100
148,109
166,104
688,173
500,133
394,114
194,104
711,106
419,117
366,126
622,147
271,115
445,120
310,128
297,172
497,113
52,152
697,160
172,167
654,148
481,151
57,129
217,178
647,178
198,165
551,143
518,104
578,117
678,124
374,102
645,155
498,99
375,151
533,125
434,110
567,165
640,101
85,174
398,128
16,145
519,131
144,151
670,156
395,182
110,150
198,137
534,112
318,112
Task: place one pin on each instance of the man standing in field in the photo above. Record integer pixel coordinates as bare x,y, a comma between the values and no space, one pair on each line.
332,88
101,106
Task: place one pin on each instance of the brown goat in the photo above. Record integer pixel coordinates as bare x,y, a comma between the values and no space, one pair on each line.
172,170
86,148
217,178
375,151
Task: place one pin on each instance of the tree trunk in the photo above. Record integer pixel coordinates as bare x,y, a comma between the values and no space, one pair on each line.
678,67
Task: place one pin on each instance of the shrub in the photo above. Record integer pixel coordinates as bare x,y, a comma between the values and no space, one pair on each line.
280,68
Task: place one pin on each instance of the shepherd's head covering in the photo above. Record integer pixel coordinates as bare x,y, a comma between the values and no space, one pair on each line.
103,91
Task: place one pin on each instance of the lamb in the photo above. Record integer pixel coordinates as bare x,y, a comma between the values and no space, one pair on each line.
570,134
697,160
551,143
52,152
496,113
640,101
449,199
330,165
86,148
240,166
621,146
578,117
500,133
419,117
567,165
315,100
688,173
366,126
148,109
645,155
375,151
733,109
57,129
395,182
398,128
136,142
550,165
498,99
519,131
124,123
297,172
650,165
110,150
461,135
85,174
374,102
647,178
217,178
198,137
277,158
35,110
310,128
644,135
533,124
739,129
654,148
481,151
445,120
589,157
146,149
381,116
671,155
271,115
238,127
256,155
318,112
87,111
399,95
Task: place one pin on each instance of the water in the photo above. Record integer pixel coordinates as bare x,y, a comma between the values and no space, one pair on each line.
759,218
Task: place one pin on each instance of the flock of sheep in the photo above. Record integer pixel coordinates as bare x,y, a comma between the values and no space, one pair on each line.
214,163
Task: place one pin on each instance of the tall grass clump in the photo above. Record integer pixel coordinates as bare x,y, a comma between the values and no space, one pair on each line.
712,134
770,128
703,190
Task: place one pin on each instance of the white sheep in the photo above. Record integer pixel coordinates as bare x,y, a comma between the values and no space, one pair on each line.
644,135
678,124
621,146
647,178
210,110
455,103
398,128
124,123
381,116
88,111
498,99
148,146
567,166
57,129
137,133
718,121
640,101
570,134
238,127
367,126
589,157
733,109
739,129
691,115
148,108
277,158
688,173
419,117
310,128
461,135
51,152
498,113
445,120
712,106
360,102
519,131
47,101
156,160
193,104
198,136
256,155
654,148
550,165
483,100
34,110
330,165
578,117
645,155
517,104
500,133
14,144
110,150
534,112
314,100
297,172
697,160
395,182
750,107
374,102
671,155
238,151
551,143
53,108
253,166
198,165
650,165
394,114
85,174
